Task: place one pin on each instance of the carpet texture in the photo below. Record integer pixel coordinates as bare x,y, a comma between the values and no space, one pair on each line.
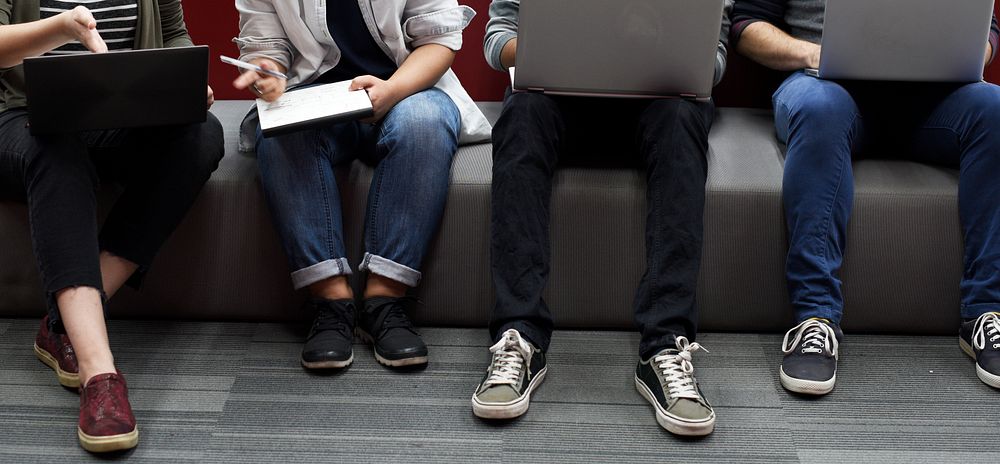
228,392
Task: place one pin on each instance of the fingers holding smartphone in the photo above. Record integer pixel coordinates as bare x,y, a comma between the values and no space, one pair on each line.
265,86
82,26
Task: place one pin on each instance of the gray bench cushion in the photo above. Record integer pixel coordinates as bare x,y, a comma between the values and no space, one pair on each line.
901,271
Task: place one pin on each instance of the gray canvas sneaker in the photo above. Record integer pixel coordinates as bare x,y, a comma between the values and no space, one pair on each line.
516,370
667,382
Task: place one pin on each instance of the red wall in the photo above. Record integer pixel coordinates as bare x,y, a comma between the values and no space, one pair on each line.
215,23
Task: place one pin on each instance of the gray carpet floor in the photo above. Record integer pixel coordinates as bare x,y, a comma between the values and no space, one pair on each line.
224,392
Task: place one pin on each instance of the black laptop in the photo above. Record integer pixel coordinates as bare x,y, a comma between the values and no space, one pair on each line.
116,90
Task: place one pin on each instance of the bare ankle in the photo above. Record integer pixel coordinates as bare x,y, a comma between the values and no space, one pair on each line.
383,286
334,288
89,370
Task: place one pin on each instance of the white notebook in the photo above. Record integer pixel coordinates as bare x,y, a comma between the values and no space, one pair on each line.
320,104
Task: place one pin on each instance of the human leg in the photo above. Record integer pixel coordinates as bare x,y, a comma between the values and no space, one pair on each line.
413,149
820,122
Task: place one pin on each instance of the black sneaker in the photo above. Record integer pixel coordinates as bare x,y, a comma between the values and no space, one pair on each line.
330,340
516,370
810,364
384,324
667,382
980,339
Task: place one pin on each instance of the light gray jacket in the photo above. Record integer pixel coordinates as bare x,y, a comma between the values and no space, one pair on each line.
296,34
503,27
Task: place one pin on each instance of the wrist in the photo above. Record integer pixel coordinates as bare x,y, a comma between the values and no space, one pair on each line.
393,91
64,23
809,55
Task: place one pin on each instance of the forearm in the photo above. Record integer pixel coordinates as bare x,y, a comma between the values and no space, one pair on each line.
175,32
20,41
509,53
772,47
422,69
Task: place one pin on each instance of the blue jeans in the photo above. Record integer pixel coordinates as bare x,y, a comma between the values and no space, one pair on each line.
412,149
824,123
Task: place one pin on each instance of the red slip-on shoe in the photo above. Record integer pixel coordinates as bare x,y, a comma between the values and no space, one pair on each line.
106,420
56,351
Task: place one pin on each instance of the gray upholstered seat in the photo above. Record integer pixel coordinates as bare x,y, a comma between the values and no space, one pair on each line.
901,271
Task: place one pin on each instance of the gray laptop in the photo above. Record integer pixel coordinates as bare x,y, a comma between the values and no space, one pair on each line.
905,40
633,48
116,90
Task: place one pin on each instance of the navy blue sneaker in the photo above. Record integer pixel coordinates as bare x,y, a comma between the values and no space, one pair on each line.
810,363
980,339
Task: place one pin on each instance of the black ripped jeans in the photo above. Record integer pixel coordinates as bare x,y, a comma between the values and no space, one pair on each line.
670,139
162,170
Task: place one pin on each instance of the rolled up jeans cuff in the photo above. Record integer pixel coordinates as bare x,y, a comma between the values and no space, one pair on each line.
380,266
320,271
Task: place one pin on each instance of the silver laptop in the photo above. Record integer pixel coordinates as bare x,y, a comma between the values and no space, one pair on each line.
905,40
633,48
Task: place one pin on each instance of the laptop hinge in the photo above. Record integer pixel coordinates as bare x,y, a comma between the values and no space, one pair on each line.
689,96
536,89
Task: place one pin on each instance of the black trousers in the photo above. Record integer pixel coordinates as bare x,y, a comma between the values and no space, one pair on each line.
534,134
162,171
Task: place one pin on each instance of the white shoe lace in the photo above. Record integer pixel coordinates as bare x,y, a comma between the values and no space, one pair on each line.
676,370
509,355
816,337
987,324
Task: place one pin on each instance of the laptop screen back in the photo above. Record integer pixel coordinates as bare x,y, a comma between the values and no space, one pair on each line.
610,47
117,90
905,40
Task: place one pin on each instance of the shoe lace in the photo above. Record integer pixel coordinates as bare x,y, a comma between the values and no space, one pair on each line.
509,355
813,335
677,371
330,319
394,316
987,325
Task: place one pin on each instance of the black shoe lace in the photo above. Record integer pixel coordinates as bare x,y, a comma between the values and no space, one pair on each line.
332,319
394,314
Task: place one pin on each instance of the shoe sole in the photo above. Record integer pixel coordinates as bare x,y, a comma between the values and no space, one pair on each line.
414,361
987,378
328,364
673,424
807,387
66,379
511,409
107,444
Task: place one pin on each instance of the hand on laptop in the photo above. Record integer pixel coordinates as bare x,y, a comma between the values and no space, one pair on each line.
382,94
211,97
267,87
79,24
812,55
989,53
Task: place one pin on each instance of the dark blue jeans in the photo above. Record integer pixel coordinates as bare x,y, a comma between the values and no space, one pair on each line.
825,123
535,134
412,148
